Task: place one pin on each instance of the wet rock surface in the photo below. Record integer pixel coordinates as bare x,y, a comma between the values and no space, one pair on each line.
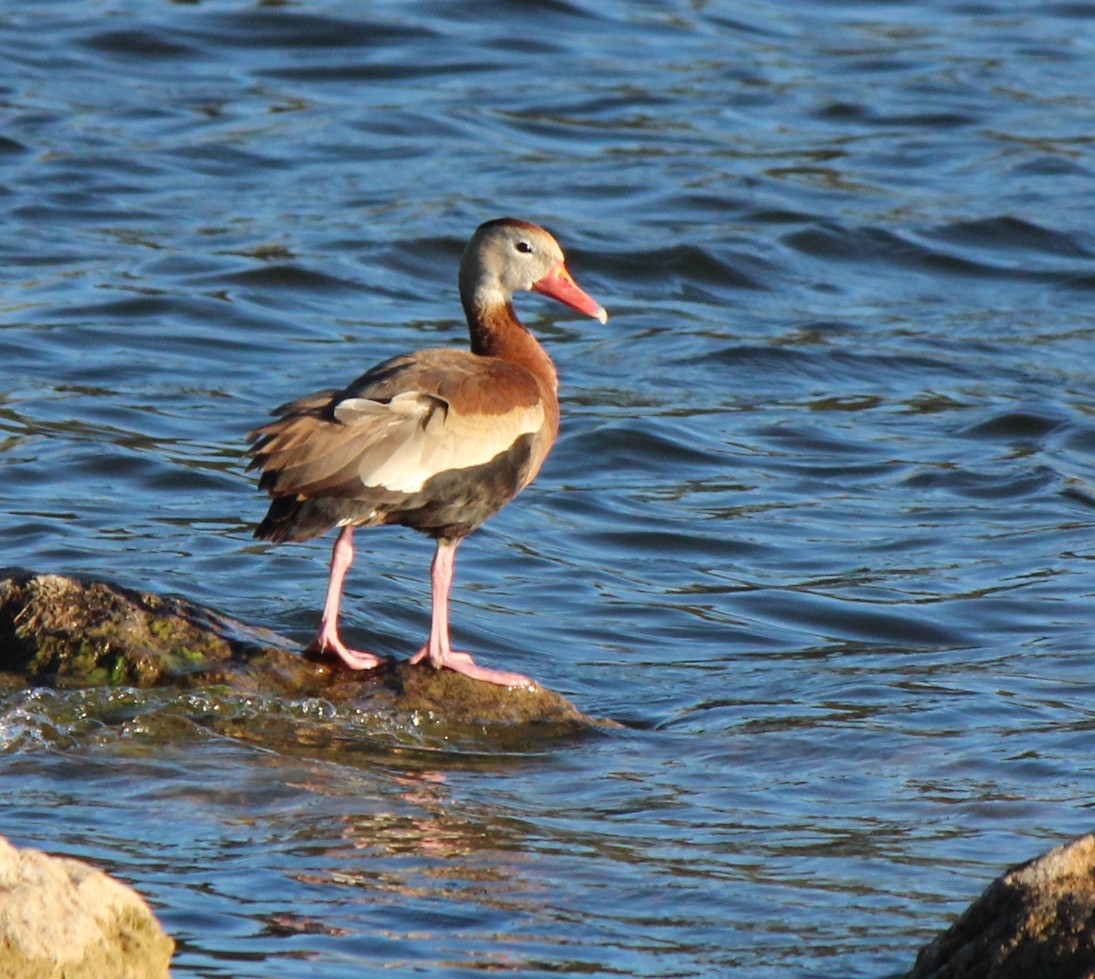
61,631
1036,921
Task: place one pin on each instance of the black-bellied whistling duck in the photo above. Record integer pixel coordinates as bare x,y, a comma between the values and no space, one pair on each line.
437,440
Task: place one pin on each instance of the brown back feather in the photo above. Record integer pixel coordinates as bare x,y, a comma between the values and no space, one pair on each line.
325,444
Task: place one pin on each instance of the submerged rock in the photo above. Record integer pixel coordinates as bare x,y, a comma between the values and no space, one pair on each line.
1037,920
63,919
68,632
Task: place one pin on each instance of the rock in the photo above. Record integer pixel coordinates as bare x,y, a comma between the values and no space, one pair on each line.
1037,921
62,919
68,632
63,631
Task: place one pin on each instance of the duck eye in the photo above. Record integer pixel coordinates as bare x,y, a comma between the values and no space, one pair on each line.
524,246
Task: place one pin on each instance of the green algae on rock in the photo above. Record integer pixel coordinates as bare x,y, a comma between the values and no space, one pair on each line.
62,631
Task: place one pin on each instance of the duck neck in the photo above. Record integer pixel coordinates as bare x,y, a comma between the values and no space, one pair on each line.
496,331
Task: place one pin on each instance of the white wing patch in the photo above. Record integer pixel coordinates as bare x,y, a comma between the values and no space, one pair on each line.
415,436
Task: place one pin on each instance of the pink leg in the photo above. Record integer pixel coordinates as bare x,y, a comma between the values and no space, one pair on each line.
437,649
327,638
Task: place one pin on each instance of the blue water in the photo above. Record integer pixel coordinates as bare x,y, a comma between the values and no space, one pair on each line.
818,529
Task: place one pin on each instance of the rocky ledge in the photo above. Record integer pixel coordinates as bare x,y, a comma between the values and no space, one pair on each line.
60,631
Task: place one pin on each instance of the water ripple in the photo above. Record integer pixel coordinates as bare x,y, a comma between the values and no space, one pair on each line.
817,526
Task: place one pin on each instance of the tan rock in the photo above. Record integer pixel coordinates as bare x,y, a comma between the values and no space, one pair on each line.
1037,921
62,919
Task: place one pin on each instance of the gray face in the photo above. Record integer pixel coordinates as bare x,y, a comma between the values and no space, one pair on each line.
504,257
